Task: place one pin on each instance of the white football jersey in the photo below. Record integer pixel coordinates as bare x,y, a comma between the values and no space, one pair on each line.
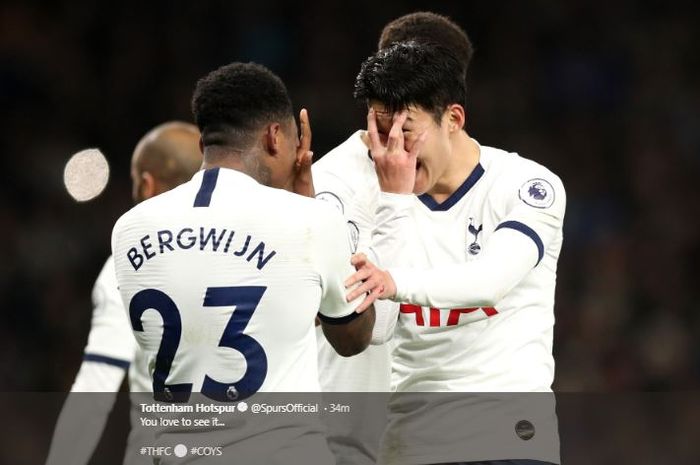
111,341
478,311
222,278
111,345
110,351
346,179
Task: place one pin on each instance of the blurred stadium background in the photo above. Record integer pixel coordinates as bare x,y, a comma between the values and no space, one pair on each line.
605,93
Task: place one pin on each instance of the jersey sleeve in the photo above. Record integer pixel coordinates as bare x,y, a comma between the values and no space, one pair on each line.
332,257
535,207
370,228
534,213
107,355
111,340
340,194
391,236
393,230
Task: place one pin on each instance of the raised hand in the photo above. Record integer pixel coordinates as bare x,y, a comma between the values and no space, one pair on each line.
396,168
303,181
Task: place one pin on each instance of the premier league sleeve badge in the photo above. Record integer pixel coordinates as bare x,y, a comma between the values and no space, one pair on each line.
537,193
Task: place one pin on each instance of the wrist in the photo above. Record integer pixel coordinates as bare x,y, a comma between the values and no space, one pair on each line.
393,187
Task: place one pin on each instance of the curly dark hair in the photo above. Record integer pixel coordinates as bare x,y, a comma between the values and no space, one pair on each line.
410,73
425,26
231,103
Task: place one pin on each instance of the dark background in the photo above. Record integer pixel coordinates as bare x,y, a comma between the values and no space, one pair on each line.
604,93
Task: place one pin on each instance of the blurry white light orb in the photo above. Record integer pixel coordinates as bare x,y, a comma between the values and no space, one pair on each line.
86,174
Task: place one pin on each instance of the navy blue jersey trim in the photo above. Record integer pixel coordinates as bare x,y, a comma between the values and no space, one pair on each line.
461,191
529,232
338,321
124,364
209,178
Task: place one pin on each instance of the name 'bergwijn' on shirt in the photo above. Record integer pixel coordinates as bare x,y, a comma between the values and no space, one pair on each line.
210,239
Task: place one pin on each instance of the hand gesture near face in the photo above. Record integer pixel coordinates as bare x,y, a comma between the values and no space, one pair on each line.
303,181
396,167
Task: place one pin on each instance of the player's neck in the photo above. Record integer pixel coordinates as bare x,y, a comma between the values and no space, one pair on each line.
217,157
464,157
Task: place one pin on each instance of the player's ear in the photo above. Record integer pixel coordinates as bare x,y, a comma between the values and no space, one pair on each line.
456,118
147,187
272,139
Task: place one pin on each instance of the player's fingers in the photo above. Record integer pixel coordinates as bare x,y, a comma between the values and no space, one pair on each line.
303,182
357,292
305,139
305,162
395,140
358,260
372,283
367,302
360,275
375,144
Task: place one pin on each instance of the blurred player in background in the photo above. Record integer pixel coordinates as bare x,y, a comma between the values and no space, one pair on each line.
224,275
480,238
346,178
165,157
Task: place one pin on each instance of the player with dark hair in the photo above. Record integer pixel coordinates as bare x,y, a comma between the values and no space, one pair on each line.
383,77
346,178
425,26
480,240
165,157
236,270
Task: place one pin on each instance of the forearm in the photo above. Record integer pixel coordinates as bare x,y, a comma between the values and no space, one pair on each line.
350,338
84,414
392,231
386,314
479,283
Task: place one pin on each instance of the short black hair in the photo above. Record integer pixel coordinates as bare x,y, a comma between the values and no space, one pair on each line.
425,26
409,73
232,102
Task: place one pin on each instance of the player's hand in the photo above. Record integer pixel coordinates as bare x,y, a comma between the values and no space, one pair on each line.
396,168
375,282
303,181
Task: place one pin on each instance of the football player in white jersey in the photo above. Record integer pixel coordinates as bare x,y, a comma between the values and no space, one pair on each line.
165,157
346,178
224,275
480,241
